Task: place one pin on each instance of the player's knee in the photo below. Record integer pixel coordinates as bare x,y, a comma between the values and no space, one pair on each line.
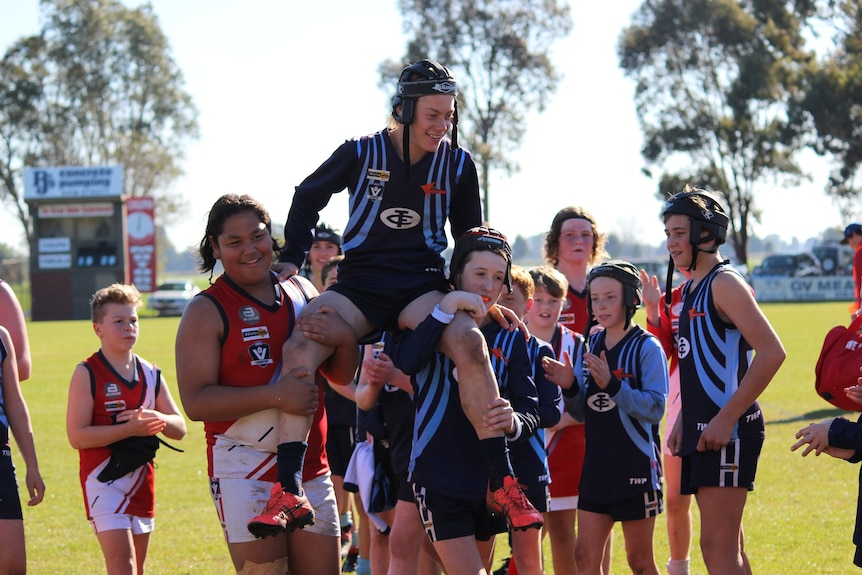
277,567
466,344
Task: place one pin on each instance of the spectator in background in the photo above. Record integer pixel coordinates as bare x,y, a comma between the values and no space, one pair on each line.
853,238
12,318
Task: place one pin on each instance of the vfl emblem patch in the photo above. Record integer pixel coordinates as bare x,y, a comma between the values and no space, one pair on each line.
119,405
400,218
112,389
254,333
249,314
566,318
260,354
379,175
601,402
375,192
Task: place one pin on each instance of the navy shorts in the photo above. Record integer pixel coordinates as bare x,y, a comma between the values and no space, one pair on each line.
447,517
643,506
340,442
10,501
382,306
734,466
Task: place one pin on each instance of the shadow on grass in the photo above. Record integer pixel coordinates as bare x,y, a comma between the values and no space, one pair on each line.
817,414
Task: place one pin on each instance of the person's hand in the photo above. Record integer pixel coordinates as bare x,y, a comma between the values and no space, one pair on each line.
141,422
326,326
508,319
855,392
296,392
599,368
499,416
651,289
674,438
815,437
35,487
561,373
284,270
380,369
471,303
716,434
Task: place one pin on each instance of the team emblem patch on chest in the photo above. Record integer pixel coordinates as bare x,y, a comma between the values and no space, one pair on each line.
601,402
400,218
260,354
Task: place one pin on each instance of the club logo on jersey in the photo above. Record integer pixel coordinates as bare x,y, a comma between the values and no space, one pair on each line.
254,333
400,218
430,188
692,313
118,405
112,389
249,314
260,354
378,175
683,346
601,402
375,192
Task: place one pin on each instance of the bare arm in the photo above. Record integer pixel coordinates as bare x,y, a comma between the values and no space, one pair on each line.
735,303
12,318
198,354
175,423
19,421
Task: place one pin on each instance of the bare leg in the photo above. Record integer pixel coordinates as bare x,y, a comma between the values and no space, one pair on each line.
721,511
561,531
678,518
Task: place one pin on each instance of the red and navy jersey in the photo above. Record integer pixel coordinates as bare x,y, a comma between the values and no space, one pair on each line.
575,314
713,359
112,393
251,344
396,226
623,419
667,332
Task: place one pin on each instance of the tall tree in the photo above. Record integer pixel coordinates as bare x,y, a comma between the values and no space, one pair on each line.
96,86
832,101
713,78
499,52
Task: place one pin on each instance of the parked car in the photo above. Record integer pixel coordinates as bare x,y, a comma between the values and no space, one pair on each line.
788,265
657,267
172,297
835,258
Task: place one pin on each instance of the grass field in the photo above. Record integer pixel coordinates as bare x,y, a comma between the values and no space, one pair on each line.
799,520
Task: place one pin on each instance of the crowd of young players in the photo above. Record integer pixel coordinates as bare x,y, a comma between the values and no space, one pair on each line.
482,389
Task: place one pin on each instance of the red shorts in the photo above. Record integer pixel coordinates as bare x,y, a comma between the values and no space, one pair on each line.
566,460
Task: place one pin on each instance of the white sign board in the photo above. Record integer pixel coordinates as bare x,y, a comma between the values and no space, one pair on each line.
54,245
814,288
70,182
55,261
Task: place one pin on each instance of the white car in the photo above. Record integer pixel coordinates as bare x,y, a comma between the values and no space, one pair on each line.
172,297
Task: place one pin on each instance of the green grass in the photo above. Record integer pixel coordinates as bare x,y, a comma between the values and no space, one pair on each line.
798,520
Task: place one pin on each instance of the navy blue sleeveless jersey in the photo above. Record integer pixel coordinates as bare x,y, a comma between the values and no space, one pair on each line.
528,455
446,453
623,453
395,232
713,358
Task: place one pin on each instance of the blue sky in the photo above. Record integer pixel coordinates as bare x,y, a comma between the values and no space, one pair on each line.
280,84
